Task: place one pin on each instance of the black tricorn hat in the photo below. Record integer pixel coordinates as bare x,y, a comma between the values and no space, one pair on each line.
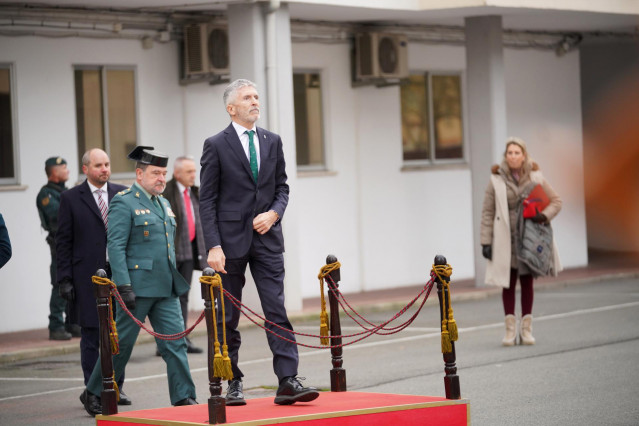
148,155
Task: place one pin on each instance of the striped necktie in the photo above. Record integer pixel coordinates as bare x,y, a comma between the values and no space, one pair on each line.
103,209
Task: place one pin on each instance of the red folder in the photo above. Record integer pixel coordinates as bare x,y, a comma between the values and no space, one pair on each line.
537,201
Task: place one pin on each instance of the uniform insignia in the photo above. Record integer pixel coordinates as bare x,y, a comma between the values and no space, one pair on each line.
146,233
58,160
45,201
142,211
137,194
170,212
148,211
137,212
121,192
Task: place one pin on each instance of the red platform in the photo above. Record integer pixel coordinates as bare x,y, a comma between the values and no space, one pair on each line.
334,408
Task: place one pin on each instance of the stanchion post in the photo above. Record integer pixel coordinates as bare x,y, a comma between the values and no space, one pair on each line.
451,380
217,403
338,374
108,397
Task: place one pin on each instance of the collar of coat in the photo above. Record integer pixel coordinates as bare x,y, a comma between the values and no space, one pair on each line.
495,169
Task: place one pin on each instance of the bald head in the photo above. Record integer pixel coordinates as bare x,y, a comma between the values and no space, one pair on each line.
96,166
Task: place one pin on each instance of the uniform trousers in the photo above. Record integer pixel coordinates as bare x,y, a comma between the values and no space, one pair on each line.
165,317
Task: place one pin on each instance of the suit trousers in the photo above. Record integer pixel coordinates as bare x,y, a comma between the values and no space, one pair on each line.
267,269
185,268
164,315
90,352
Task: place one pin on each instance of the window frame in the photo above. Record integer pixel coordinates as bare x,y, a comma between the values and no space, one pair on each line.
432,161
105,108
13,89
324,166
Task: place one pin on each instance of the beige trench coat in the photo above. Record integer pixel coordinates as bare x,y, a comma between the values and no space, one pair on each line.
499,234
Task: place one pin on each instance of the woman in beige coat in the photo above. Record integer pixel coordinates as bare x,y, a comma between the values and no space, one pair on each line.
508,185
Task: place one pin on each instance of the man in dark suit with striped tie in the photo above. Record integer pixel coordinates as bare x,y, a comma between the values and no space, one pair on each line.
243,196
81,245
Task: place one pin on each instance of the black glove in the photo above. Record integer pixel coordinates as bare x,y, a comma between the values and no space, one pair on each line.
540,218
128,296
487,251
65,288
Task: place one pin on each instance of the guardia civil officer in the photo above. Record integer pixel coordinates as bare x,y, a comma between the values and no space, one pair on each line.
140,245
48,203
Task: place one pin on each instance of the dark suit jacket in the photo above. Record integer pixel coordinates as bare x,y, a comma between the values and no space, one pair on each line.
81,246
230,198
182,243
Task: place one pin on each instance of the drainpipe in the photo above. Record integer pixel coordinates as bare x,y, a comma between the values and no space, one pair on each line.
271,65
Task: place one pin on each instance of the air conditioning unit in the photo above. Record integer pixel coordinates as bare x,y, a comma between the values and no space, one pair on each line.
206,50
380,56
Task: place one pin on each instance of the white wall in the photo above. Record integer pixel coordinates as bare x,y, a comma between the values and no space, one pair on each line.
46,127
544,108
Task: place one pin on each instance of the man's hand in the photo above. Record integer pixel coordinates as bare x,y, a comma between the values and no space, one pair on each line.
128,296
65,288
216,259
263,221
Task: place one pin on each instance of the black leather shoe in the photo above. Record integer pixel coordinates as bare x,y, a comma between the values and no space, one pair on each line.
234,393
186,401
91,403
124,399
291,391
191,348
74,330
59,334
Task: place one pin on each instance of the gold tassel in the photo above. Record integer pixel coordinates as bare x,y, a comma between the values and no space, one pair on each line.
116,388
218,361
227,369
324,328
324,324
452,326
446,346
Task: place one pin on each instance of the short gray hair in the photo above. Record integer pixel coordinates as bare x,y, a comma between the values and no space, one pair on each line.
180,160
231,89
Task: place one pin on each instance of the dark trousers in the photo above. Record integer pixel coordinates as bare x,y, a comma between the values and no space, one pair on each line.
90,351
185,269
527,293
59,312
267,269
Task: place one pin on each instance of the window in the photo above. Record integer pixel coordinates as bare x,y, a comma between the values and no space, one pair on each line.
309,132
106,113
432,125
8,143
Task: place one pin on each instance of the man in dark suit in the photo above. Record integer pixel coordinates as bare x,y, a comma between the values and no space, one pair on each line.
189,238
243,196
81,245
140,243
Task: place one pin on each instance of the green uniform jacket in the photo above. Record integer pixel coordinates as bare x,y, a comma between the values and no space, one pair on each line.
48,203
140,243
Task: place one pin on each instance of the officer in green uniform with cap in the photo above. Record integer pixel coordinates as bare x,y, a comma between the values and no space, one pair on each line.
140,244
48,202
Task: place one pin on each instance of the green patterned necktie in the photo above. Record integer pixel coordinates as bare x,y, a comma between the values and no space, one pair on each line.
252,154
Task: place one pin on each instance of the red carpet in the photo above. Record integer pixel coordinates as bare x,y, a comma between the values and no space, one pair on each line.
335,408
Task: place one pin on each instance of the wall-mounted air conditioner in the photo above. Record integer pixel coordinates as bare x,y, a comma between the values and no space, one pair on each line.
380,56
206,50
